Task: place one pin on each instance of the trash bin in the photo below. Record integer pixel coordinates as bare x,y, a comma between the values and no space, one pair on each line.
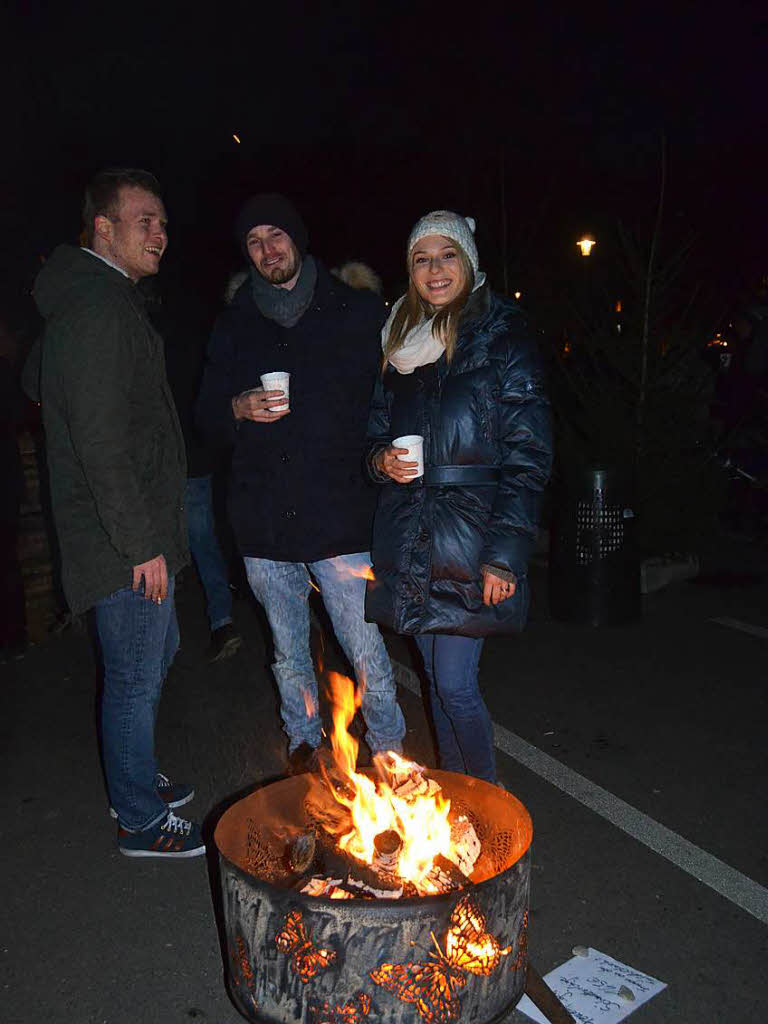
594,565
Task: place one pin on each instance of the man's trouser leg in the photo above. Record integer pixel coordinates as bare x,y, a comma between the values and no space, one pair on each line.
138,640
204,546
282,588
342,586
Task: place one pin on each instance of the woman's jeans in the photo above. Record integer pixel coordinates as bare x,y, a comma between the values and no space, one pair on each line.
204,546
462,723
283,589
138,639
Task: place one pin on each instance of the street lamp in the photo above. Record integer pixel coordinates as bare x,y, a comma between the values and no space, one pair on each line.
586,245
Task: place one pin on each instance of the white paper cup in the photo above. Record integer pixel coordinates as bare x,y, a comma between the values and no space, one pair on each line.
277,381
415,445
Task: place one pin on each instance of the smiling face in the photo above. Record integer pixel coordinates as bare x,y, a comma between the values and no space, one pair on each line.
437,271
135,237
274,255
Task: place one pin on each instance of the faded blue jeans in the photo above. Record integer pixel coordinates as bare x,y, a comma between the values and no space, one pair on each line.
138,640
204,546
462,724
283,588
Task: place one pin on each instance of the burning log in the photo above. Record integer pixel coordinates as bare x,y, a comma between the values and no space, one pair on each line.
387,846
325,812
465,846
445,876
337,863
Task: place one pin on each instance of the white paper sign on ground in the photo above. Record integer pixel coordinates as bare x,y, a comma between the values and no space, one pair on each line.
588,986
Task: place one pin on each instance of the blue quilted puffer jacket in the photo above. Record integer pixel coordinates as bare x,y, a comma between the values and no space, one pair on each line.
486,425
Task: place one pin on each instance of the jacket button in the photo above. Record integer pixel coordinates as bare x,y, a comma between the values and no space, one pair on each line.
285,457
418,599
290,514
423,536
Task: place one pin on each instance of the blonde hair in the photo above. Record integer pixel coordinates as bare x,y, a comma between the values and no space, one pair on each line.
445,321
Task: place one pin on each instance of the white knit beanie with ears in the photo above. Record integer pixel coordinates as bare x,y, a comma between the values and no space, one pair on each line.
459,229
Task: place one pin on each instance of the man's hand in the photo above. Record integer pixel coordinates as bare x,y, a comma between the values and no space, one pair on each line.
495,589
255,405
401,472
155,573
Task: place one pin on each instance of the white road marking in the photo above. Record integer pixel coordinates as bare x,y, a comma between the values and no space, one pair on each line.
743,627
720,877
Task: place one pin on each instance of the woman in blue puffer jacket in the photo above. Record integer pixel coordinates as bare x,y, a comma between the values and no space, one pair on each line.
451,547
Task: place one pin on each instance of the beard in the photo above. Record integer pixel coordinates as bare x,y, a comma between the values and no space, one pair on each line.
282,272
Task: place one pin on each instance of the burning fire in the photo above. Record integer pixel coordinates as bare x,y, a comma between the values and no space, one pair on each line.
421,822
362,572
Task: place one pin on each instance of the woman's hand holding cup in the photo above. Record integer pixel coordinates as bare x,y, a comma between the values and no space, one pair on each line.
395,461
388,462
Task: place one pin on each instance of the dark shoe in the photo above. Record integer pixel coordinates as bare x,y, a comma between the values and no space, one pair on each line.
175,794
304,759
173,837
224,643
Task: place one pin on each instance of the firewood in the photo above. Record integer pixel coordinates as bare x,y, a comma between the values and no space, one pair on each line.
387,846
398,772
370,891
465,846
324,811
337,863
445,875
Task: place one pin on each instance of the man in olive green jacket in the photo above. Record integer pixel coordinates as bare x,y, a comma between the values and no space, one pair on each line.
117,475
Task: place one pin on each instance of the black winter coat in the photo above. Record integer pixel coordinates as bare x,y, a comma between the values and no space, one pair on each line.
299,491
487,408
114,444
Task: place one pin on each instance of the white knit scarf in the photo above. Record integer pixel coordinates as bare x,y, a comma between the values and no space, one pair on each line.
420,346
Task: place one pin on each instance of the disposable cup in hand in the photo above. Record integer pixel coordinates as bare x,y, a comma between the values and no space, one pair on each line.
277,381
415,445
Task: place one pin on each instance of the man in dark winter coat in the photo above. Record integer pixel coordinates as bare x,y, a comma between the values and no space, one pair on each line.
299,501
117,474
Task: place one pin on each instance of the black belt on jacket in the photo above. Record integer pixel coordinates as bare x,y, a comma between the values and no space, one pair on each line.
461,476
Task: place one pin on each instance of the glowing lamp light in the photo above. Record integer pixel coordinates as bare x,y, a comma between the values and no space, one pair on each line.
237,139
586,245
518,295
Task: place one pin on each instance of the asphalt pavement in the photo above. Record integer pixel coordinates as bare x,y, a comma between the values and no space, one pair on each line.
639,751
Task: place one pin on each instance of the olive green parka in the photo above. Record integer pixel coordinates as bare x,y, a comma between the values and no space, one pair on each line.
115,451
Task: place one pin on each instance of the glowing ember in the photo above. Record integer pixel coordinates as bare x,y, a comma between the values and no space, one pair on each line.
419,819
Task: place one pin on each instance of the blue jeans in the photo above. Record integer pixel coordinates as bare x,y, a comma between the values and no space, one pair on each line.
138,641
462,723
283,589
205,550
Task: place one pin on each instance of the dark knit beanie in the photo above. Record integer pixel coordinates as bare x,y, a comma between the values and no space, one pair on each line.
271,208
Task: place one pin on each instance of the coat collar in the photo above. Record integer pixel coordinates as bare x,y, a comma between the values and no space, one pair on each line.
478,305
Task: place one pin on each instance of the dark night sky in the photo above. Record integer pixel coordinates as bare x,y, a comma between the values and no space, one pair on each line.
369,116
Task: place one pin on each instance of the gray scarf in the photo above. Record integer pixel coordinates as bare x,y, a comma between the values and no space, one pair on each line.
279,304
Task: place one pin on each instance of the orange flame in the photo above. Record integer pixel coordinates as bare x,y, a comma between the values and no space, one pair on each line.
421,822
309,703
363,572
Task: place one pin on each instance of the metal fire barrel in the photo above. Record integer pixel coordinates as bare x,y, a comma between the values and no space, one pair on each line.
594,564
299,959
